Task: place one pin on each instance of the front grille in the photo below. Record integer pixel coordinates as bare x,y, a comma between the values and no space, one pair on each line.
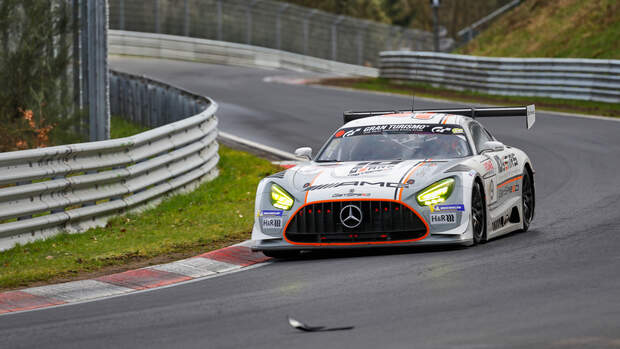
381,221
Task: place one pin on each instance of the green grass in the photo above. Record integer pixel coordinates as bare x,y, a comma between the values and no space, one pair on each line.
217,214
424,90
120,128
553,28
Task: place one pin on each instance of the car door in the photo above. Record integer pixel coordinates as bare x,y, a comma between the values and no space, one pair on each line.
489,160
505,164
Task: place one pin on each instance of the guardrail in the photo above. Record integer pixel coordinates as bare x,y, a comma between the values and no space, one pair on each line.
74,187
568,78
221,52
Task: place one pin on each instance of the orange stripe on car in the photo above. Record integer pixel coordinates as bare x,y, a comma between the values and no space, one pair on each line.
312,182
509,181
425,116
400,195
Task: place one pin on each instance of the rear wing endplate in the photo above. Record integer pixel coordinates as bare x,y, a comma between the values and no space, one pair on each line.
528,111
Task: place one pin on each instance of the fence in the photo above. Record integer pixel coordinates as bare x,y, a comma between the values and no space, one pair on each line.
270,24
77,186
221,52
581,79
467,34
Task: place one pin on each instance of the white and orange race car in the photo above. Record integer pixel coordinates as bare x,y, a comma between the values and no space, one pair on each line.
399,178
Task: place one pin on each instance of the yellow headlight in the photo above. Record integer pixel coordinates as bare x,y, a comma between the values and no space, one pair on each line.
280,198
436,192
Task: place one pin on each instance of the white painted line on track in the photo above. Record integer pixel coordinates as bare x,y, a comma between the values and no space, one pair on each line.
252,144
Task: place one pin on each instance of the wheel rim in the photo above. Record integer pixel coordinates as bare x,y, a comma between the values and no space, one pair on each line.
477,214
528,199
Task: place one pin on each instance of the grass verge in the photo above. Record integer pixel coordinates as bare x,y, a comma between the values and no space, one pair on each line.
217,214
120,128
425,90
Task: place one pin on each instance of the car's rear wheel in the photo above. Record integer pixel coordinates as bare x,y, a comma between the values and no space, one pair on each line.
478,215
281,254
527,198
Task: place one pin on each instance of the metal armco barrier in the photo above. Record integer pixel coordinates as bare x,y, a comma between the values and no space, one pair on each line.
78,186
221,52
568,78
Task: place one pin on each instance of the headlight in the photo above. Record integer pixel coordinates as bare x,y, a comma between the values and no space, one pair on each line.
436,192
280,198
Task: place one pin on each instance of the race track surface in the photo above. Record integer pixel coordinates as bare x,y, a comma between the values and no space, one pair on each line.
556,286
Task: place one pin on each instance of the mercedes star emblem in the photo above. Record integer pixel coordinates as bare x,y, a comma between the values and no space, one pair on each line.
351,216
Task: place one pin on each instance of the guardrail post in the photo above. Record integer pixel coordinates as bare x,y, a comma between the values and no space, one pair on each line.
156,10
219,20
121,14
279,25
307,30
248,20
335,37
186,18
94,67
435,5
361,30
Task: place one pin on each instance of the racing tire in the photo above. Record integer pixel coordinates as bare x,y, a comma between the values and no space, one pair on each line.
478,215
281,254
527,200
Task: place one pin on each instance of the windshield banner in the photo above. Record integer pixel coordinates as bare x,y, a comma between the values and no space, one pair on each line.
398,128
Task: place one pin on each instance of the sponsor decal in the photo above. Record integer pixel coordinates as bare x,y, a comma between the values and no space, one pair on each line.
351,195
506,163
471,173
398,128
271,213
443,218
453,207
357,184
425,116
488,165
500,222
441,129
363,168
507,189
271,222
491,191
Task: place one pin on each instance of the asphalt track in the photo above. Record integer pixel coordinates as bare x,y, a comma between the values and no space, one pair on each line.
556,286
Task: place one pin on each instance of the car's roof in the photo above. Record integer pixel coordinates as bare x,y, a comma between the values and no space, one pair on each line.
410,118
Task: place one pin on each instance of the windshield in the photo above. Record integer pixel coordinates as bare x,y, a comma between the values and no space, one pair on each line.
396,142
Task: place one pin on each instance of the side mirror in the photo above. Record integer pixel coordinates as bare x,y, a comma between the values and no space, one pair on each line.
491,146
304,152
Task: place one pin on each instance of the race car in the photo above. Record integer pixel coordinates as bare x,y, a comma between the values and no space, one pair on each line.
399,178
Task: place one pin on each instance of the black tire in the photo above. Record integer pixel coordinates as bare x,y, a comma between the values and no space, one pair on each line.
528,200
478,215
281,254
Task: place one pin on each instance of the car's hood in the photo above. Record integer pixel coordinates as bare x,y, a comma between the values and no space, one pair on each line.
392,180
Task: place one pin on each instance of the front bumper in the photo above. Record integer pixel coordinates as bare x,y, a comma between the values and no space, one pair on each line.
433,240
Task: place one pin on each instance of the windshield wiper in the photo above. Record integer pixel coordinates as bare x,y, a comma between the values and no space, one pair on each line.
328,160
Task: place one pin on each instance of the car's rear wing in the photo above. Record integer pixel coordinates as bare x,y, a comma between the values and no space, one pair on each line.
528,111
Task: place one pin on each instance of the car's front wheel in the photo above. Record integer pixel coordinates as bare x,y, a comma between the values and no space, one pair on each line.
478,215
